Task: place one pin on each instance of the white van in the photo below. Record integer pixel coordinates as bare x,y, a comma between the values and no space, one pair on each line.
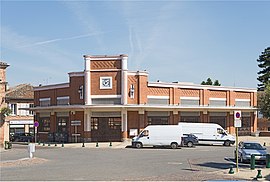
208,133
159,135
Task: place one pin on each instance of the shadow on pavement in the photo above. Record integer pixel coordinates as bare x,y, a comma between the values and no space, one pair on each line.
216,165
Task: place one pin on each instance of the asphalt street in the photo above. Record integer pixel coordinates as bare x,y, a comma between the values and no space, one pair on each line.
57,163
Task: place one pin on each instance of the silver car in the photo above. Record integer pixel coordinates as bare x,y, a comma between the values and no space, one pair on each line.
246,149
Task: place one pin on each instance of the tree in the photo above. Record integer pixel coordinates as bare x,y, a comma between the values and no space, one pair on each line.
4,112
264,101
216,83
264,64
209,82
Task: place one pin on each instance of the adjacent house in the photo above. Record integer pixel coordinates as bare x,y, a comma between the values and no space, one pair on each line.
19,99
107,102
3,86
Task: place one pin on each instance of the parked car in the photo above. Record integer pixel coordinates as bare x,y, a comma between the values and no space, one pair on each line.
22,137
189,140
246,149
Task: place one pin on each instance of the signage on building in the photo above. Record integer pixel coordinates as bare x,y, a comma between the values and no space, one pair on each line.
21,122
75,123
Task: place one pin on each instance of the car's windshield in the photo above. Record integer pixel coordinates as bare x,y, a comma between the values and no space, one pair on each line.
255,146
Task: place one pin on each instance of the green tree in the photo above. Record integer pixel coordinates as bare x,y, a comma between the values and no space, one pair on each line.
209,82
264,65
264,101
4,112
216,83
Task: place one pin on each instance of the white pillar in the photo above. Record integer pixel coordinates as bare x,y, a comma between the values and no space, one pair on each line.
87,81
124,124
87,120
124,88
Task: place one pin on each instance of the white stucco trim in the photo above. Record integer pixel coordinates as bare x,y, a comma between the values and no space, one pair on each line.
220,99
245,100
105,96
48,87
157,97
190,98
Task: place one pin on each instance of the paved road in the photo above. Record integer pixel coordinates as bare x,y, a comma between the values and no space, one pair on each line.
56,163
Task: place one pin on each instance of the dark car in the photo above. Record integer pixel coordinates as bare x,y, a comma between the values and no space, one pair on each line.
22,137
189,140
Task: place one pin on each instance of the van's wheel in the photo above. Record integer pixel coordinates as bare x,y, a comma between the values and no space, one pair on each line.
174,145
227,143
138,145
190,144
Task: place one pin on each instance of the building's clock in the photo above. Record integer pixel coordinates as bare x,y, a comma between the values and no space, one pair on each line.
105,82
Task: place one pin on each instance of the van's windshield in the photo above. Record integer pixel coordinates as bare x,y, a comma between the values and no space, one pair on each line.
144,133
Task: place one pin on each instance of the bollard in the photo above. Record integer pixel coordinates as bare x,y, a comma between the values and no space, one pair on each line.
110,144
9,145
267,160
252,162
38,142
97,144
62,144
55,144
264,144
49,144
6,145
231,171
83,144
259,175
43,144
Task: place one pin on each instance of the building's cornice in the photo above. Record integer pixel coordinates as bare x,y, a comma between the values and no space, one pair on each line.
104,57
49,87
73,74
195,86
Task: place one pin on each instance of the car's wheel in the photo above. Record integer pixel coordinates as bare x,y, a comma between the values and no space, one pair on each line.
138,145
190,144
227,143
174,145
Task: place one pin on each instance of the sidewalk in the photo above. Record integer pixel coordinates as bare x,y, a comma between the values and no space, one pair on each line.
248,174
261,140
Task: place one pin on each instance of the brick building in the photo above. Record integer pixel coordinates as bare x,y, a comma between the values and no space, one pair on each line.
107,102
3,86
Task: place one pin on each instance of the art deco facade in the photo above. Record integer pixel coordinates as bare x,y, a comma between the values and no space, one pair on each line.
107,102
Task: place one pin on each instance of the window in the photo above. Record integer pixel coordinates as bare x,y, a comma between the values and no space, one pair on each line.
44,124
158,100
242,102
114,123
192,117
218,102
94,123
62,124
63,100
31,112
190,101
13,108
43,102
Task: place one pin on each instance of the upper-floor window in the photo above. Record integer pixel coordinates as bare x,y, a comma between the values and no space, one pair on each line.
45,102
63,100
218,102
190,101
31,112
242,102
13,108
158,100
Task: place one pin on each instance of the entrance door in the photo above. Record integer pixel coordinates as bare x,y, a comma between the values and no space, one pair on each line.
106,129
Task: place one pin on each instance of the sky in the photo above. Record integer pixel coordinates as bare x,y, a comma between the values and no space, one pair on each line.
185,41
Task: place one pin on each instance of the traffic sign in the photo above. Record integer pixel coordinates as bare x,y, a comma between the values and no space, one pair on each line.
36,124
237,115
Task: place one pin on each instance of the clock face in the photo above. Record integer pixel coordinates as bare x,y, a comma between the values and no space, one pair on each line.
105,82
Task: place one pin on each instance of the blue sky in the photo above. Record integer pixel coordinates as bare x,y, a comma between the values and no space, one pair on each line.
186,41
